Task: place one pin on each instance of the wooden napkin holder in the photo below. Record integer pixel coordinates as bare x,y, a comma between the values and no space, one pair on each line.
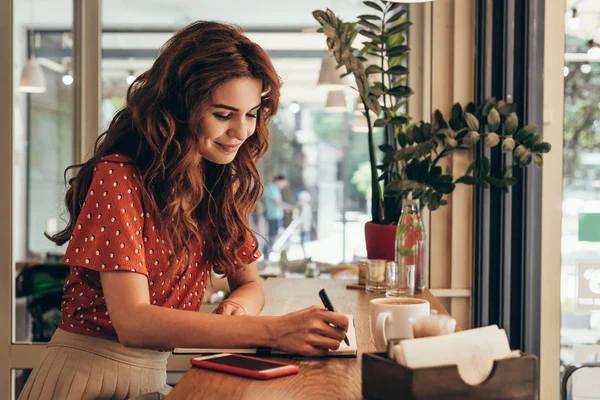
513,378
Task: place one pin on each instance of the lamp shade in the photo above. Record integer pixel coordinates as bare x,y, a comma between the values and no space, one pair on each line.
336,101
360,124
32,79
329,76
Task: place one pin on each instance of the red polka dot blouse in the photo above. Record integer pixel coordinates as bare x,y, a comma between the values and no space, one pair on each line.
114,233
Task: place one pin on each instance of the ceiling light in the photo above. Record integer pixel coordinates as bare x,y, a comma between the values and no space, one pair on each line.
130,78
67,78
294,107
574,22
594,51
586,68
336,101
329,75
32,78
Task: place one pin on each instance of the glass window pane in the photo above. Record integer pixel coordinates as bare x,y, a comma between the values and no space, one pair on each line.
307,143
580,274
43,142
19,377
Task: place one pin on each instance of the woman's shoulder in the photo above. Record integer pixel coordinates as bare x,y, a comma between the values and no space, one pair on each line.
115,173
112,163
116,158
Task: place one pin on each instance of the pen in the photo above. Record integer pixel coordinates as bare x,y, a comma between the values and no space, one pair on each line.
329,306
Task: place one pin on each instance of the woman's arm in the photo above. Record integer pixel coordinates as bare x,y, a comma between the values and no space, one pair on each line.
247,296
140,324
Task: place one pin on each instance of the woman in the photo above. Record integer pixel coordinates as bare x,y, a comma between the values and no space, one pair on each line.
164,199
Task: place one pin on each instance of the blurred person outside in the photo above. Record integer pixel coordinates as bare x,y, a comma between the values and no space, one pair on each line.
275,206
304,218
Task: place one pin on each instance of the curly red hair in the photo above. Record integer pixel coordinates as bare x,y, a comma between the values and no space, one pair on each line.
191,198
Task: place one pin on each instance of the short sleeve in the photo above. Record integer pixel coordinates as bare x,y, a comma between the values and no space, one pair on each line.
249,251
108,233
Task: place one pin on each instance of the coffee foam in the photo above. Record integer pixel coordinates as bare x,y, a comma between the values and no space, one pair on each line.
400,301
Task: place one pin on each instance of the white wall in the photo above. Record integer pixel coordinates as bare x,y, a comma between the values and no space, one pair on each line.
19,145
552,198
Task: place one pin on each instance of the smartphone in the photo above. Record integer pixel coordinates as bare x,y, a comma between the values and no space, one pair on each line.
251,367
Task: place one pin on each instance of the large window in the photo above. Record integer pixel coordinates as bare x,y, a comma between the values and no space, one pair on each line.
322,151
580,276
318,151
42,147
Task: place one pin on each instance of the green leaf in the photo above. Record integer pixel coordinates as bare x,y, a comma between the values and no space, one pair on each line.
434,201
395,40
525,132
369,17
372,47
481,182
407,252
511,123
435,173
494,181
394,6
369,25
457,124
506,109
400,120
460,135
456,111
373,5
487,107
493,120
543,147
508,172
396,16
471,167
376,90
467,180
399,28
400,91
402,139
380,122
402,229
470,108
511,180
369,34
397,51
484,165
386,148
397,70
439,120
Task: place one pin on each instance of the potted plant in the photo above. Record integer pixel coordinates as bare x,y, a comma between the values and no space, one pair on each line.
412,151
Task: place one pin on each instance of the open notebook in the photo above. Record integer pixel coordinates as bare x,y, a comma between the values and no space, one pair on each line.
343,351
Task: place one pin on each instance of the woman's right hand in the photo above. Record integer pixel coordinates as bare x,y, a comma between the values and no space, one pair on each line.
309,332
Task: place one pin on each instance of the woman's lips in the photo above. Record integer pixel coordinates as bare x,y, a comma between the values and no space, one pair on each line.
229,148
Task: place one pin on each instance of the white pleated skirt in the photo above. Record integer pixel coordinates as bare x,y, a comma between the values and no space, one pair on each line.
83,367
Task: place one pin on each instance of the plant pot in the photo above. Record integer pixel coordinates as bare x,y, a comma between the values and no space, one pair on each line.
381,241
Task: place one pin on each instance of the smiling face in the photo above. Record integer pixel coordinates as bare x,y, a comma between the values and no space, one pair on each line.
229,119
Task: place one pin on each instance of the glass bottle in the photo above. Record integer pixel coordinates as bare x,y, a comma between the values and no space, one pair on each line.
410,247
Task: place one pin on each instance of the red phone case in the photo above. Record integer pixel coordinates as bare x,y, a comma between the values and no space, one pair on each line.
276,372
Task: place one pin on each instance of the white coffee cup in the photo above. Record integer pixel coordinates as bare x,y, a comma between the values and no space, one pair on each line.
390,318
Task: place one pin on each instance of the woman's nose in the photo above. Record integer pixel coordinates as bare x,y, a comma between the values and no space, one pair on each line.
240,129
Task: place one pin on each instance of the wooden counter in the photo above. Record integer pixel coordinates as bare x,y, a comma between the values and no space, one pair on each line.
319,378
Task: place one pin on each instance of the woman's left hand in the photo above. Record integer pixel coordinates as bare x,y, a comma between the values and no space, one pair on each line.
229,307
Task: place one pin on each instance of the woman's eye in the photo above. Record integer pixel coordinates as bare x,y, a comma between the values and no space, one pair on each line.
252,115
223,117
